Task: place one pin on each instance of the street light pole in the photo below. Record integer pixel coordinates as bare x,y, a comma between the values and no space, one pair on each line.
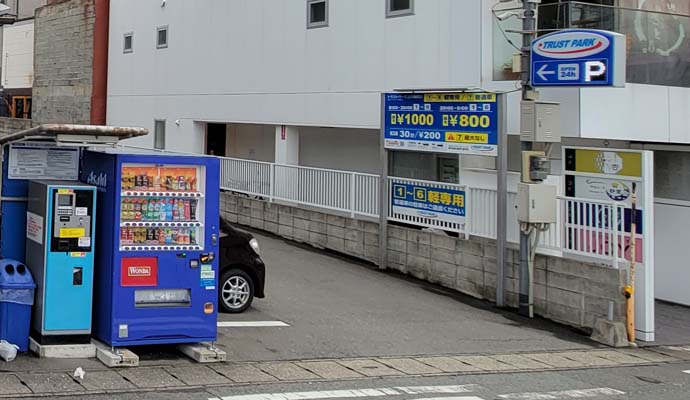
529,33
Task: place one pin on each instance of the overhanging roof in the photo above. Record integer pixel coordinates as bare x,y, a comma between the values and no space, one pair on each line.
79,135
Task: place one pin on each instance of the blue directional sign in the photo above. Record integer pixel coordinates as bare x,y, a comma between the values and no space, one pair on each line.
579,57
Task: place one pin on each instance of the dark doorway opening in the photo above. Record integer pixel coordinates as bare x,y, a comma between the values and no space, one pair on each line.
216,139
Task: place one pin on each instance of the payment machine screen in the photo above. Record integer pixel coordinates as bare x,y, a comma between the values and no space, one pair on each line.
64,200
72,216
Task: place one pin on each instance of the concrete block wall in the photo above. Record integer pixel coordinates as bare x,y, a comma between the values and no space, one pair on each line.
324,231
14,125
567,291
63,62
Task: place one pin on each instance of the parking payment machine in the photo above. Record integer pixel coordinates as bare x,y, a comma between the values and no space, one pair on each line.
59,251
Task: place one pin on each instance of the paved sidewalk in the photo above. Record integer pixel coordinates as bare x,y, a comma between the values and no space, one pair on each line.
185,375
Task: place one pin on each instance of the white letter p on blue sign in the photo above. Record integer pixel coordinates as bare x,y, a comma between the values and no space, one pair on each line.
595,71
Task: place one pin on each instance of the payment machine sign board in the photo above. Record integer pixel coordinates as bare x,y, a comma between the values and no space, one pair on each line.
139,271
579,57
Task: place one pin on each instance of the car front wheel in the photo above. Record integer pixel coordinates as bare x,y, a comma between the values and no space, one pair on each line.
236,291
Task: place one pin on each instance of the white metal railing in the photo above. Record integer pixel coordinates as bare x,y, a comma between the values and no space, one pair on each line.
343,191
459,225
586,227
249,177
593,229
482,207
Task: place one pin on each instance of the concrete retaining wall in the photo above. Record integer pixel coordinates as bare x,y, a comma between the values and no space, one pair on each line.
567,291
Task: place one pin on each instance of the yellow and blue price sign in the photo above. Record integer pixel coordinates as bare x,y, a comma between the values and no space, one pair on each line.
428,202
457,123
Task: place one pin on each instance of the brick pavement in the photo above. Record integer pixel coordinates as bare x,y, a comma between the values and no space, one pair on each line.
182,375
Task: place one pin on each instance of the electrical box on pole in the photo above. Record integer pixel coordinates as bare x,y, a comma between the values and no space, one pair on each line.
536,203
536,166
540,121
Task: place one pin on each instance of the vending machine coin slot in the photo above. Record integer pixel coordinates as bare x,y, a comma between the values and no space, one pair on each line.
77,276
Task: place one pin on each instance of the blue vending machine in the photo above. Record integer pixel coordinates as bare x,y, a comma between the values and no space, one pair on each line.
156,266
60,227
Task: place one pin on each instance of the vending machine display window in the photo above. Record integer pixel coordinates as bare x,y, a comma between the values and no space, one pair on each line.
161,207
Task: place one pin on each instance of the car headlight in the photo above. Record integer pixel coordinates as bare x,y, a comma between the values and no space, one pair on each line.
254,244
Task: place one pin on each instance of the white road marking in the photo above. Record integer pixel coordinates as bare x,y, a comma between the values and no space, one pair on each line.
686,372
453,398
437,389
565,394
354,393
250,324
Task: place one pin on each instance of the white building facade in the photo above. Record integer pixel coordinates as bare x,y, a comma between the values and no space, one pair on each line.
299,82
17,52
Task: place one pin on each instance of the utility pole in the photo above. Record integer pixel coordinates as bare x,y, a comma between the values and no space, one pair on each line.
529,33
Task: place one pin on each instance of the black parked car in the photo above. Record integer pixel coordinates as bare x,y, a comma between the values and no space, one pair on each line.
242,272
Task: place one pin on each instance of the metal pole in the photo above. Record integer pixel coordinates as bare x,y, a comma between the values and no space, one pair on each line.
529,27
501,200
630,289
353,195
383,191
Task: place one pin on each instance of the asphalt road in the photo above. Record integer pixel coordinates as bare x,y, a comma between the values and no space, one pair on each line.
337,307
660,382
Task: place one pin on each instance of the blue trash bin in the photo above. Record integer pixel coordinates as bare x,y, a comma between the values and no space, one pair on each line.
16,298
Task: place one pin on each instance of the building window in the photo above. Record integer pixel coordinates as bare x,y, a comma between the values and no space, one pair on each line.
317,13
162,37
128,46
20,107
398,8
672,176
159,134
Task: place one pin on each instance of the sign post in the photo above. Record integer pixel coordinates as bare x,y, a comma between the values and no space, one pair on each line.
383,190
501,201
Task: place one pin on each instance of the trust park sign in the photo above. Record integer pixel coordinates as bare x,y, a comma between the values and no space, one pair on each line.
579,57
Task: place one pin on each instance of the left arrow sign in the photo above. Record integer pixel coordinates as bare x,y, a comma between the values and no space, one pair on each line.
544,74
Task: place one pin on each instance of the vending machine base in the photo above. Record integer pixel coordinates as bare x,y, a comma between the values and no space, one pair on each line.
115,358
203,352
50,340
62,351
